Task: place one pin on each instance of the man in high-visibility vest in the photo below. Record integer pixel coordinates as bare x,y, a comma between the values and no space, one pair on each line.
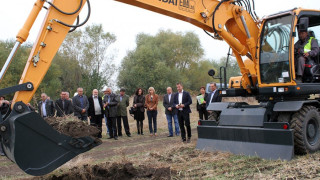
306,47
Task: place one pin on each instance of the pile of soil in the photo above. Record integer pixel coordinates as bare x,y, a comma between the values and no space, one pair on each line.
113,171
72,126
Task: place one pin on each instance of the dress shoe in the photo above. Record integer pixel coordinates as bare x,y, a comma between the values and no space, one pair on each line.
142,134
170,136
115,138
184,140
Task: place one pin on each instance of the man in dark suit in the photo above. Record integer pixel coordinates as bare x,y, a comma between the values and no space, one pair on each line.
80,105
46,106
63,106
123,100
110,104
182,101
171,112
213,97
95,111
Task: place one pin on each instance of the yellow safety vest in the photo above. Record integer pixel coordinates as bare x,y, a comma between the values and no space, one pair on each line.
307,47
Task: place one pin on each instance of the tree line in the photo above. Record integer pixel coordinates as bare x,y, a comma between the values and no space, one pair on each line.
159,61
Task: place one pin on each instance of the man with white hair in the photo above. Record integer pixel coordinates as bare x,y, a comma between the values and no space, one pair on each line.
80,105
95,111
46,106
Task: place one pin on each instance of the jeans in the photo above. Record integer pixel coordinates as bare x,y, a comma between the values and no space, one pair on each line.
152,118
176,124
107,125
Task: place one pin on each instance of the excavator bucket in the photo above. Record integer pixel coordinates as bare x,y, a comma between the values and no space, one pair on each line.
35,146
244,131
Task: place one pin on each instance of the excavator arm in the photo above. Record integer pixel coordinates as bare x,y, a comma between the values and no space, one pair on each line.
228,21
34,145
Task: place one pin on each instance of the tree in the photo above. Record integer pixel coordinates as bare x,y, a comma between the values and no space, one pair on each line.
159,61
232,68
12,77
86,50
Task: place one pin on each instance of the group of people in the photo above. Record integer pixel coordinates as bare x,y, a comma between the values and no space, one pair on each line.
203,98
177,110
113,108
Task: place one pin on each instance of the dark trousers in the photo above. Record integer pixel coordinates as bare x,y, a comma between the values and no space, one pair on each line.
184,120
125,125
96,120
203,113
1,150
83,117
140,126
152,119
113,126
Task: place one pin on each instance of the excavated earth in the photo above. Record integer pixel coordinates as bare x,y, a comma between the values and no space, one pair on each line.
73,127
113,171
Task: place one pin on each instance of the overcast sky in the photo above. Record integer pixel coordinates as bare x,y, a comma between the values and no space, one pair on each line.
127,21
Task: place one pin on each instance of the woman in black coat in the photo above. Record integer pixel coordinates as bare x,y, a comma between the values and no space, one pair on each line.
138,104
201,104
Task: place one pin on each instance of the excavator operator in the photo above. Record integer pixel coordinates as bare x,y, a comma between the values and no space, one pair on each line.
306,47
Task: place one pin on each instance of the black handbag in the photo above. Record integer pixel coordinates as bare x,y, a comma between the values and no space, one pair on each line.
132,110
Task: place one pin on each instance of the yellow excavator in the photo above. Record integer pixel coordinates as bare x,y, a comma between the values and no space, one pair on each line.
286,120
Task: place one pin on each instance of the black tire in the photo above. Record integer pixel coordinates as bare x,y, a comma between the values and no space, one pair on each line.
306,128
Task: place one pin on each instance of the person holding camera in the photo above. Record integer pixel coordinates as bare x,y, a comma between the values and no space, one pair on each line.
138,105
152,112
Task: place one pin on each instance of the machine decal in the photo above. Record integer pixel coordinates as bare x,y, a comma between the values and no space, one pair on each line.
184,5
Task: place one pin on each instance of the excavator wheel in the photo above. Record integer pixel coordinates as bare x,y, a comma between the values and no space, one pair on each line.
306,126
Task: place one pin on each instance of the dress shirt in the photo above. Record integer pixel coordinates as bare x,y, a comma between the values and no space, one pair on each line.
212,96
43,108
81,101
180,99
96,104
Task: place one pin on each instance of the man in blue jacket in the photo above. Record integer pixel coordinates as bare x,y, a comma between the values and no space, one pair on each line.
182,101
